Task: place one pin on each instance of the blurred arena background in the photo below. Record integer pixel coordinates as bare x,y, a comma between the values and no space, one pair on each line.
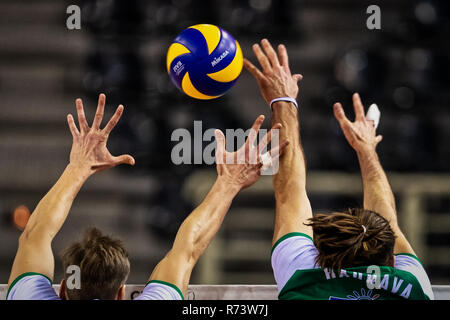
120,50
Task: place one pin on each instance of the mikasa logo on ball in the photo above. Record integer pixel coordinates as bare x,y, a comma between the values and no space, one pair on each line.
178,68
218,59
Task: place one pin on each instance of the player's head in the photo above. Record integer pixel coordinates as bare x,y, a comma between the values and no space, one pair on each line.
353,238
103,264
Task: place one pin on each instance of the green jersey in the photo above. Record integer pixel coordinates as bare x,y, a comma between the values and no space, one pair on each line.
298,276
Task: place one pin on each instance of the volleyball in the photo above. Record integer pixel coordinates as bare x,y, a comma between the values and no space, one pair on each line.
204,61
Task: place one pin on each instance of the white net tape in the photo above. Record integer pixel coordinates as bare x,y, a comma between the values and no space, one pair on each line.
232,292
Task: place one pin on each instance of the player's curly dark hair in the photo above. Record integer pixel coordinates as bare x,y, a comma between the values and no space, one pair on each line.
353,238
103,263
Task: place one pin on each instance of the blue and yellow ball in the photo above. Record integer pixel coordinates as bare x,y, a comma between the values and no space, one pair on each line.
204,61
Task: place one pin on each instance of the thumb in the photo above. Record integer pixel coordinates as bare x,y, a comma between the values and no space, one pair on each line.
297,77
378,139
124,159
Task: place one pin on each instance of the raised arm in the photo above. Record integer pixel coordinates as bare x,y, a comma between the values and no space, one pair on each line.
89,155
378,196
198,229
293,208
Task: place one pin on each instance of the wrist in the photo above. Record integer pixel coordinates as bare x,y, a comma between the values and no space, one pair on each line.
79,171
283,100
367,154
227,186
282,110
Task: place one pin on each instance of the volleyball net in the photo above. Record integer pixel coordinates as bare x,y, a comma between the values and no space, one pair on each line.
230,292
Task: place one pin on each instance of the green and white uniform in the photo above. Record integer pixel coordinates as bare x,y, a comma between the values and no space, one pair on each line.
298,276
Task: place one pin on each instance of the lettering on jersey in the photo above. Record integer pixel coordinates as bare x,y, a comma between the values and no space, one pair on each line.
385,282
396,285
343,274
405,294
373,281
329,275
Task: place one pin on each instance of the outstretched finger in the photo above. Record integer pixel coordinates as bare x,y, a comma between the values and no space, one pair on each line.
254,130
378,139
284,58
271,54
81,116
340,114
114,120
72,126
262,58
220,148
100,111
297,77
124,159
277,151
253,70
270,159
274,132
359,108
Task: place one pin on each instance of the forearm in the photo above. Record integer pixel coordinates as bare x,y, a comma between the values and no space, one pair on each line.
202,224
194,236
293,208
292,171
52,210
34,253
378,195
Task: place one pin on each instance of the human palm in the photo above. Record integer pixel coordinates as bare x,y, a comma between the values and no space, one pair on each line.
360,134
243,167
89,148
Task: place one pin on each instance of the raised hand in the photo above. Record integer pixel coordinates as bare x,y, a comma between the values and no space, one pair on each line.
361,133
243,167
275,80
89,151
